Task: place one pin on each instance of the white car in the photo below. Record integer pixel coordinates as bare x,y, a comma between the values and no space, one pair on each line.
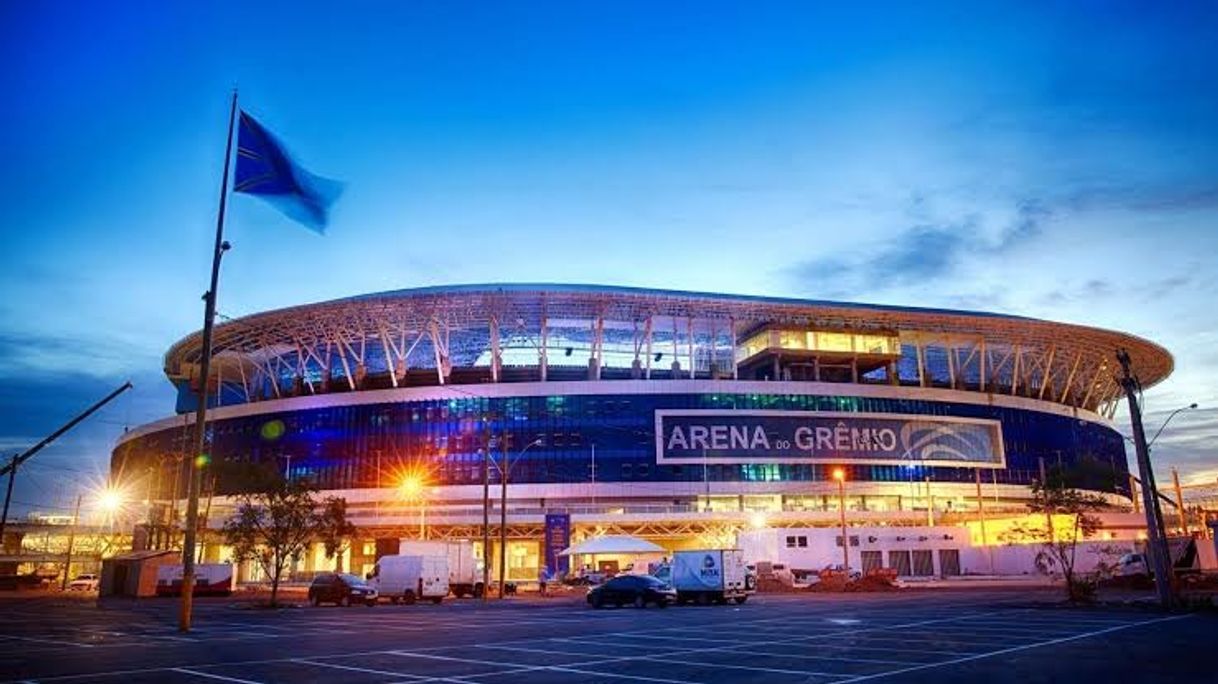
86,582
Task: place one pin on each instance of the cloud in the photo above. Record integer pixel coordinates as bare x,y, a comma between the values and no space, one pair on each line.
925,251
1151,198
1089,290
97,355
1096,289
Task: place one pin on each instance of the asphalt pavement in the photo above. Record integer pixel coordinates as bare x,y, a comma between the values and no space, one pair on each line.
929,635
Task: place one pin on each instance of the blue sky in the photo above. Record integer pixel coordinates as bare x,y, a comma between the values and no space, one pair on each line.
1051,160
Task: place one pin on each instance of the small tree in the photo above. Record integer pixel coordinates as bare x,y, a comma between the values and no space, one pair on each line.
334,530
1060,495
273,525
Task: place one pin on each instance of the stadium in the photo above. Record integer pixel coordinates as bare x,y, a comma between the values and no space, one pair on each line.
681,417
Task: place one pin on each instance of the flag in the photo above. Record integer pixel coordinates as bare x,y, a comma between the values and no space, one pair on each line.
265,170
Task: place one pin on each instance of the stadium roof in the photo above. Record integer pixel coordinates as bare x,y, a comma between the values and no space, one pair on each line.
463,326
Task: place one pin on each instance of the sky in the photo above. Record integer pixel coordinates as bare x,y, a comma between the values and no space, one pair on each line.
1056,160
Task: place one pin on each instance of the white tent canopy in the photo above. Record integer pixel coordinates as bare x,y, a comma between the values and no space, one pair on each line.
611,543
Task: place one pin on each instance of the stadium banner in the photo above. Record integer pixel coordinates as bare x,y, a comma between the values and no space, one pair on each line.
697,436
557,539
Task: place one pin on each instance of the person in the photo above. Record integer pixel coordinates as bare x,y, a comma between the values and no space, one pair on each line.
542,577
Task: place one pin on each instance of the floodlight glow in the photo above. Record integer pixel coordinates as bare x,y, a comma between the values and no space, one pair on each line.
411,486
110,500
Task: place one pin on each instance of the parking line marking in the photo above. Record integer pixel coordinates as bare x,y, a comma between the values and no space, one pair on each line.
531,650
597,639
430,656
874,661
46,641
744,667
186,670
352,668
615,675
1013,649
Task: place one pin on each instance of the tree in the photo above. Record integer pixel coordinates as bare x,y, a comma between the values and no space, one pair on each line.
334,530
1060,495
274,524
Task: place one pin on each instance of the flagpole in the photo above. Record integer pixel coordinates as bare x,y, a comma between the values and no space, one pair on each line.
192,499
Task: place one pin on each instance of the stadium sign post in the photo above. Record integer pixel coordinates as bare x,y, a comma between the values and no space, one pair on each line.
198,461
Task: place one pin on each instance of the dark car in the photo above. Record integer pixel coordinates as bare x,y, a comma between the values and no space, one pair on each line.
637,590
340,588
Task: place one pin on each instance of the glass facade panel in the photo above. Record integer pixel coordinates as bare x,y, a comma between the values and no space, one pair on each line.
347,447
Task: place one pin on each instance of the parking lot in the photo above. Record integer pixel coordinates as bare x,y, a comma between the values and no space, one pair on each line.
904,637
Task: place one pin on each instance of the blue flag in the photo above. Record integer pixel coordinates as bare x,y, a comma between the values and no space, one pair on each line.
265,170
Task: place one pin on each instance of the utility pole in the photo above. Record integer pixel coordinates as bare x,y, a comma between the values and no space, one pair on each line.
1044,488
8,496
486,507
981,516
503,478
930,505
1160,560
11,469
840,476
67,563
1175,479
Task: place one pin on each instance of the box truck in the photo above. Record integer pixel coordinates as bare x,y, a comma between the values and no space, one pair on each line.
464,575
211,579
410,578
708,575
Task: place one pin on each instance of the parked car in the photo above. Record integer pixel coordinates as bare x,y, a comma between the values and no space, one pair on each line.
1132,564
838,569
342,589
84,582
637,590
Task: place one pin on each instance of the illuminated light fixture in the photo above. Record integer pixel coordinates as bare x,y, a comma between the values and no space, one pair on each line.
411,486
110,500
839,474
757,520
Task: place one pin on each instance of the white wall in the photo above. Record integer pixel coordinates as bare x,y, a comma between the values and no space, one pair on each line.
1019,559
822,549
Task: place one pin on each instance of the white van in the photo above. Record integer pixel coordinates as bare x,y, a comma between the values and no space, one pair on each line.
410,578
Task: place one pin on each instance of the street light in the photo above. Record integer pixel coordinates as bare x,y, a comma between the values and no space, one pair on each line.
840,475
111,500
757,520
413,487
1169,417
503,481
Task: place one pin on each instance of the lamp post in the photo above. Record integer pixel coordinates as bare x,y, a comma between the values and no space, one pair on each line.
1173,414
840,475
503,482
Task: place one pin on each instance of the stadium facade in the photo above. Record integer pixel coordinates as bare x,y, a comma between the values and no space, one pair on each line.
679,416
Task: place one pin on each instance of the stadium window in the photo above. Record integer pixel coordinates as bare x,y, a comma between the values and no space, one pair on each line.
790,542
803,542
627,471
